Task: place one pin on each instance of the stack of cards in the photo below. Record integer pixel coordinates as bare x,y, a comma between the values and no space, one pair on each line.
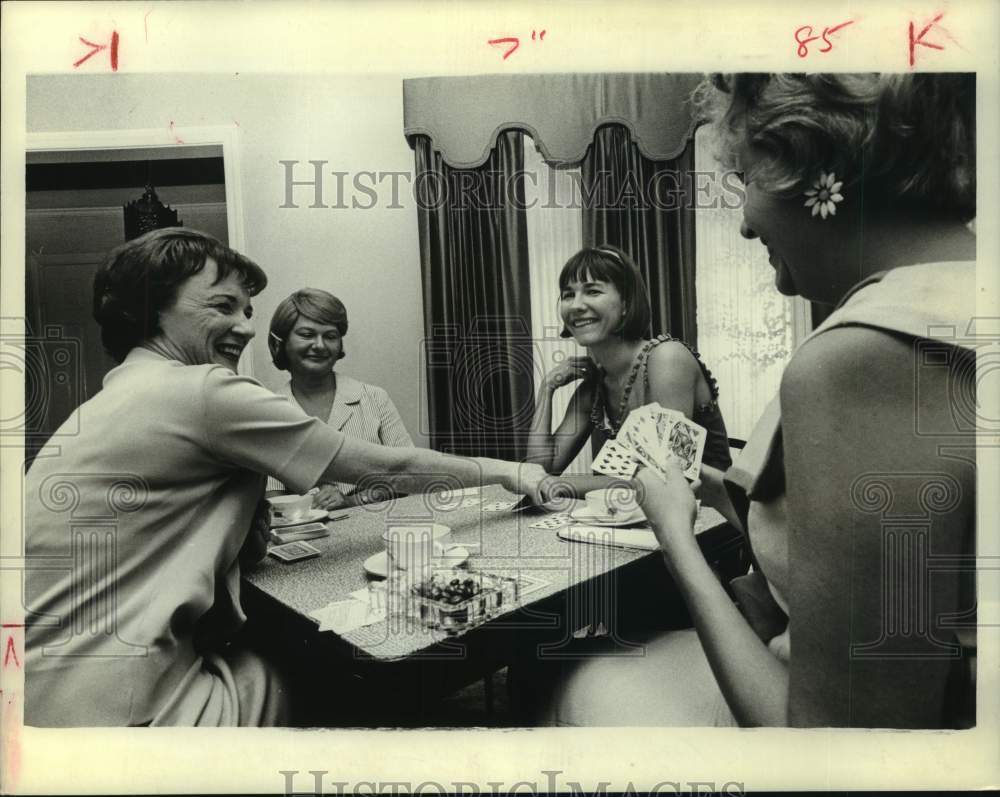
656,438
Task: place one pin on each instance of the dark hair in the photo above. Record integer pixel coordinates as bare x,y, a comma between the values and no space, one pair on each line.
311,303
908,139
610,264
140,279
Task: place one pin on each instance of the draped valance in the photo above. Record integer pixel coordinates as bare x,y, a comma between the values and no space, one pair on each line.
463,116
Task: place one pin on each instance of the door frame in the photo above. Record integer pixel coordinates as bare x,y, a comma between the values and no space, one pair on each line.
228,137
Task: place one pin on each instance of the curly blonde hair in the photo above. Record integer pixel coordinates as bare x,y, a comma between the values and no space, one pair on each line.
909,140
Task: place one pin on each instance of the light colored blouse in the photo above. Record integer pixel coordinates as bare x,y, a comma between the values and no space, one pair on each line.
362,411
138,508
912,300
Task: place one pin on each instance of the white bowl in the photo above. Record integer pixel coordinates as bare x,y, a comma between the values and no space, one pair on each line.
290,507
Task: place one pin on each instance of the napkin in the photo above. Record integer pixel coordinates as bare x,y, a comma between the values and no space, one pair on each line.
641,537
347,615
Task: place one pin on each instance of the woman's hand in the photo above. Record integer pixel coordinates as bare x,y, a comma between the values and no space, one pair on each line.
670,505
532,480
328,497
569,370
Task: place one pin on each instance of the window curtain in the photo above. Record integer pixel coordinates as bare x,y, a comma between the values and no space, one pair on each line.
746,329
640,205
555,233
477,306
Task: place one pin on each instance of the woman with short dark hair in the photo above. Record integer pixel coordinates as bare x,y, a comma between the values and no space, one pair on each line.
604,306
307,340
142,502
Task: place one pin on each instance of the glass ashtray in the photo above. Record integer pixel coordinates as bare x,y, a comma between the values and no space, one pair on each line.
456,600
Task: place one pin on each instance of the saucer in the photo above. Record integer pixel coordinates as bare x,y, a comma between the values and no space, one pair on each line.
378,564
309,517
586,516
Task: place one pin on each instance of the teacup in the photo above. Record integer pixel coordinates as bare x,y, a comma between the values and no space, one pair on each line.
414,547
612,502
289,508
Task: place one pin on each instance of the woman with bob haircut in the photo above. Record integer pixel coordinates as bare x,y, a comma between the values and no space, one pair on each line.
307,340
171,457
863,468
604,306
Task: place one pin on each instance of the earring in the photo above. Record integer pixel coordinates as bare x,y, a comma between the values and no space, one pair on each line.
824,195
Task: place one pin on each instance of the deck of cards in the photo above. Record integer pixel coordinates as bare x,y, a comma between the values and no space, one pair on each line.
657,438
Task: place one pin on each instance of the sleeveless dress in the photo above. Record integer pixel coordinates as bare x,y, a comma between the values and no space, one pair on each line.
910,301
707,415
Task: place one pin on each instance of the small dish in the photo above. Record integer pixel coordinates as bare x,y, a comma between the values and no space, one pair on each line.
311,516
455,600
377,565
584,514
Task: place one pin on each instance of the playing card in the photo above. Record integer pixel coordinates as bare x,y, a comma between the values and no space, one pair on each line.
497,506
293,551
551,522
614,459
639,434
684,445
660,437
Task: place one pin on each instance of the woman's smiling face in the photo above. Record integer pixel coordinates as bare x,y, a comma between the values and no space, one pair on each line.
313,347
591,309
801,248
209,321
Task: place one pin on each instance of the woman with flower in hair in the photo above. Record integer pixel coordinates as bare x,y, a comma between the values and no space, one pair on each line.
857,488
604,306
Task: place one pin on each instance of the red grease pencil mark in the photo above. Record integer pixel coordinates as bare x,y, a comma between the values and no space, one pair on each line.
14,625
145,24
177,138
506,40
804,35
10,652
515,42
96,48
919,38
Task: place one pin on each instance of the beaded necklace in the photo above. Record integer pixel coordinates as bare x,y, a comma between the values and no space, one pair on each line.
598,417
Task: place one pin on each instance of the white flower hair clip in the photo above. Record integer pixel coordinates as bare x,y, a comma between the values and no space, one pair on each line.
824,195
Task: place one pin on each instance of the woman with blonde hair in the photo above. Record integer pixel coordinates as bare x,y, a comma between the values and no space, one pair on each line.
307,340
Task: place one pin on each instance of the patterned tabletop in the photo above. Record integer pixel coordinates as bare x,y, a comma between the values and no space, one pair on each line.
500,542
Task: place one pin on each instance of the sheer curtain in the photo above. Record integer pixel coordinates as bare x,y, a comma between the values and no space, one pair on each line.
746,329
555,233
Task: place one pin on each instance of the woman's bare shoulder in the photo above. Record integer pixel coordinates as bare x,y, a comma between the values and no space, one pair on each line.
671,355
853,361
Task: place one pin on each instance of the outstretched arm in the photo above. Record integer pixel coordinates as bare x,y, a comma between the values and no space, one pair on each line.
414,470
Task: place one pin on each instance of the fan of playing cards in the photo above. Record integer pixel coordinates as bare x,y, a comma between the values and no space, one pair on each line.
656,438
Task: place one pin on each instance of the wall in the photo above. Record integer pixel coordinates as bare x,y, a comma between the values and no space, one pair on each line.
367,257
